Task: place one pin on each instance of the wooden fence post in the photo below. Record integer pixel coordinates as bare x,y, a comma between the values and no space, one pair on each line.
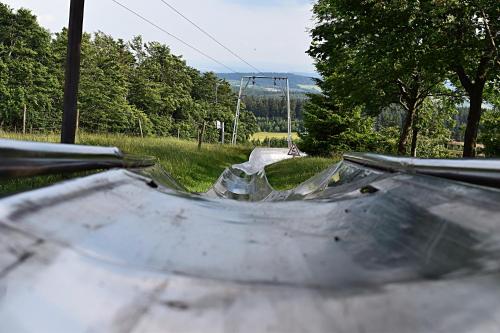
24,119
140,128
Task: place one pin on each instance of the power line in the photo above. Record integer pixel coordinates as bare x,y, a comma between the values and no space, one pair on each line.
209,35
173,36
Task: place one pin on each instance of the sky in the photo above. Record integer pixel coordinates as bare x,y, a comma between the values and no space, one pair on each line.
272,35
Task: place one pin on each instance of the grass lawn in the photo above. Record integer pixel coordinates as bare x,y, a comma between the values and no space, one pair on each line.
273,135
287,174
196,169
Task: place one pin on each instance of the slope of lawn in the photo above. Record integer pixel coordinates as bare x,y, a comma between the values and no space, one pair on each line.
287,174
196,169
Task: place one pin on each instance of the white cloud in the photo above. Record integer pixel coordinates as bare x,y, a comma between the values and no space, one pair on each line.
273,37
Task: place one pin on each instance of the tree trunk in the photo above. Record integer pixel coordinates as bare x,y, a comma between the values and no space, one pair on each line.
414,142
476,103
201,135
414,136
405,131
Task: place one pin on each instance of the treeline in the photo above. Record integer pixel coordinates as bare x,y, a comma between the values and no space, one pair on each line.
394,73
126,87
272,113
273,106
278,125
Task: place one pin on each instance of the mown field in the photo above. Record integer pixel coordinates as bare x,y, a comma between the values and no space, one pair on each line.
196,169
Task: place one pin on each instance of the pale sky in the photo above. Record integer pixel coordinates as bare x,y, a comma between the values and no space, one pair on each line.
270,34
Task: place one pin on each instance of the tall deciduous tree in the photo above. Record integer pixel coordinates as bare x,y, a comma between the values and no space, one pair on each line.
26,75
375,53
126,87
160,84
469,31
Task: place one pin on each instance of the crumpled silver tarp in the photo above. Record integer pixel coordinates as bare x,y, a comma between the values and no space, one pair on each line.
354,249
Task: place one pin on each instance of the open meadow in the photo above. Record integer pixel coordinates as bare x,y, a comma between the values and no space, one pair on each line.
196,169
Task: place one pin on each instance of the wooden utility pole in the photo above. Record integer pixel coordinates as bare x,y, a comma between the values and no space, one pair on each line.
72,79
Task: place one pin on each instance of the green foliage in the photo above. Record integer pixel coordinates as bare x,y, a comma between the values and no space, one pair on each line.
378,54
364,61
247,126
490,133
274,106
124,86
26,70
435,122
196,169
279,125
332,130
271,142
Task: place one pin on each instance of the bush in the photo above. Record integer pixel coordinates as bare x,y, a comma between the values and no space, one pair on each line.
490,133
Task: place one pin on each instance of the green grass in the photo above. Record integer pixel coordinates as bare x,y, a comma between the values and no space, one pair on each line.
196,169
288,174
273,135
12,186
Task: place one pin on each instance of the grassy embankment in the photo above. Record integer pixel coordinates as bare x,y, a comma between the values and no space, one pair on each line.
288,174
196,169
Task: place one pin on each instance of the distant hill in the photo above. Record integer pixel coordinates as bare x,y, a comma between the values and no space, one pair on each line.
298,83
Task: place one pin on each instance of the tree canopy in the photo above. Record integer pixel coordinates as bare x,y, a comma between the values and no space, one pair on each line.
401,54
125,87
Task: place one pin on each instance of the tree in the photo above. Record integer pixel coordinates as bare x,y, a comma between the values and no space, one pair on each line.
434,127
214,99
160,84
490,133
246,126
331,129
124,85
26,78
469,32
374,54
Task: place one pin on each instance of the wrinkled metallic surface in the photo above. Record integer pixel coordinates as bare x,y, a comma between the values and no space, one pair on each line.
352,250
476,171
23,159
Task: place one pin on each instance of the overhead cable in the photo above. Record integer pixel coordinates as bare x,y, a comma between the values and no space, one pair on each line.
210,36
173,36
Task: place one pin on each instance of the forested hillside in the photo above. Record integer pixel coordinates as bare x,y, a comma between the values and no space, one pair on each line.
271,111
126,86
